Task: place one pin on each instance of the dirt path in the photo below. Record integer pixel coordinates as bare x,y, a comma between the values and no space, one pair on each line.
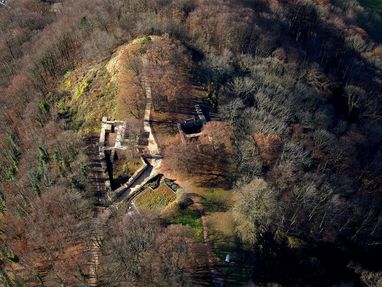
96,175
216,277
102,215
153,148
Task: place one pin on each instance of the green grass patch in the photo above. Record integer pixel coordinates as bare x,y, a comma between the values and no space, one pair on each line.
128,167
67,84
189,216
80,89
216,200
87,94
143,40
155,199
89,98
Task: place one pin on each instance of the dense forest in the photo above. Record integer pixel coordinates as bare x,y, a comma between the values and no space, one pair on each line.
294,90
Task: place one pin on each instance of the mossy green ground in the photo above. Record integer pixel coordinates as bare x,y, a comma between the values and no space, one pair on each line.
155,199
189,216
126,167
88,97
88,93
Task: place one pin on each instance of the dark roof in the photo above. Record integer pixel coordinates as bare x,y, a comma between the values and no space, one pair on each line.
192,126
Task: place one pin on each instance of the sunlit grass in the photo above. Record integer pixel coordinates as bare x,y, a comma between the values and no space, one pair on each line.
189,216
216,200
224,241
126,167
155,199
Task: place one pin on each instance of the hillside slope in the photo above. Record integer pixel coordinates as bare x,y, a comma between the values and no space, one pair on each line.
291,154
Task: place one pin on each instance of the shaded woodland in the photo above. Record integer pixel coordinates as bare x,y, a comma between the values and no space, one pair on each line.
296,87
